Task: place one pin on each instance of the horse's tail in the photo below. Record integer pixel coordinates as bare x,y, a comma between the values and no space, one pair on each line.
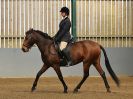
108,66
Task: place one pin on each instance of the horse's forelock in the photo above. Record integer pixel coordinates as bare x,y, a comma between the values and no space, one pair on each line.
29,31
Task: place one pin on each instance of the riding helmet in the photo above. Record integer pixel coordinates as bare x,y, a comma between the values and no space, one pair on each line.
65,9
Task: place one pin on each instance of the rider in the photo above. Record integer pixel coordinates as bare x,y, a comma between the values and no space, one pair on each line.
63,35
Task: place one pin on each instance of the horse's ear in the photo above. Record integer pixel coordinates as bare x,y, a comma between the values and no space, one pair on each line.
31,29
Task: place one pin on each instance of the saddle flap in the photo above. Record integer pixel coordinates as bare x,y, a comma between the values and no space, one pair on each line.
64,54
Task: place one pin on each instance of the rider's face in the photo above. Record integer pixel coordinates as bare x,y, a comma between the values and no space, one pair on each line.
63,14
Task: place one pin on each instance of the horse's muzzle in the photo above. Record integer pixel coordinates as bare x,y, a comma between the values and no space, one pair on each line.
25,49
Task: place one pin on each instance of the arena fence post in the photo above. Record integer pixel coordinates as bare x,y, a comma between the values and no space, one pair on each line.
73,6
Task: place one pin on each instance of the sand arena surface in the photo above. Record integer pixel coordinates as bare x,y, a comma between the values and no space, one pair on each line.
51,88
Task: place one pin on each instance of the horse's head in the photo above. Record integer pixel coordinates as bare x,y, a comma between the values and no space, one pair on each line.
28,41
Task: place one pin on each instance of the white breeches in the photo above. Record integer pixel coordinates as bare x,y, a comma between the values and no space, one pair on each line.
63,45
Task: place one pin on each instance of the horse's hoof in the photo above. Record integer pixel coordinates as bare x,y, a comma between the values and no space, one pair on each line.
33,89
75,91
108,91
65,91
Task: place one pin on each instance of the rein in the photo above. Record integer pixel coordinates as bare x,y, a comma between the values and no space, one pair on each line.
49,47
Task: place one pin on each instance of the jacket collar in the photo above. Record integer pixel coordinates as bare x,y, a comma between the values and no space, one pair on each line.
65,17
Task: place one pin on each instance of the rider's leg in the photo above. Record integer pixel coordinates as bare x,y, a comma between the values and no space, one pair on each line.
64,52
63,45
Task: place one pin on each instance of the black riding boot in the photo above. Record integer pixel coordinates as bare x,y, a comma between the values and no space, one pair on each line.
67,56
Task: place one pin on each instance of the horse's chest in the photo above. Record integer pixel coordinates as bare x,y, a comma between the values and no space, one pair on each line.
46,59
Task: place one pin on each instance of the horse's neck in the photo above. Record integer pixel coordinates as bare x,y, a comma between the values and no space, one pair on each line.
43,44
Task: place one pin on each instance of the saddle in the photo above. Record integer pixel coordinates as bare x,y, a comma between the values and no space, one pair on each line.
65,57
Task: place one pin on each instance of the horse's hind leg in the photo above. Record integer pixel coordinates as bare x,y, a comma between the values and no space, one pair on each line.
102,73
86,67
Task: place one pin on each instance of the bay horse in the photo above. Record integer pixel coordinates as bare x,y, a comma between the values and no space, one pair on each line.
86,51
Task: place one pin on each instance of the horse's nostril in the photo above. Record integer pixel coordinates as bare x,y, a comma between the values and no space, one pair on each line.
23,49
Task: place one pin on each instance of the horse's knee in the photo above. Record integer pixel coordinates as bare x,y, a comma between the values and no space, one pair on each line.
86,74
103,74
60,77
39,74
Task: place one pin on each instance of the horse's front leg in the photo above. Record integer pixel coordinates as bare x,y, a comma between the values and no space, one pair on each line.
42,70
58,71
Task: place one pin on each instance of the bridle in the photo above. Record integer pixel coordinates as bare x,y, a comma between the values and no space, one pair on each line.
26,46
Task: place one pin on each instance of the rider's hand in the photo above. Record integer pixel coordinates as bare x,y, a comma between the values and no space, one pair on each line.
55,39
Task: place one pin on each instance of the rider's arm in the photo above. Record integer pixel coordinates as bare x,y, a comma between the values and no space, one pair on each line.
61,32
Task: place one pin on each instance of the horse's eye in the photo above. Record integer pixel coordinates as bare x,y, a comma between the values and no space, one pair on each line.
26,38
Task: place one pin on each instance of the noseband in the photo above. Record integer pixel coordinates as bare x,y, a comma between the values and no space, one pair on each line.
26,46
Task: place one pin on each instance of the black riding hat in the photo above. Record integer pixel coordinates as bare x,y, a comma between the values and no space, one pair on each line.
65,9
